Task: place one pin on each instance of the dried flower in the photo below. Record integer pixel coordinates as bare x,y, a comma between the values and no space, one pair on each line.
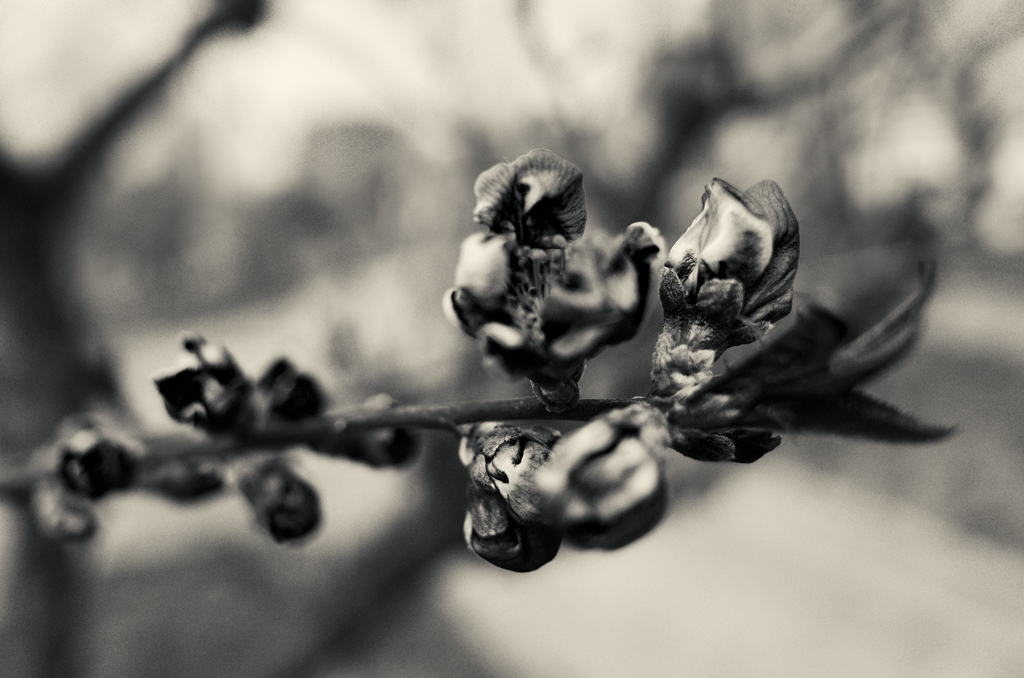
605,482
284,504
505,522
209,390
539,302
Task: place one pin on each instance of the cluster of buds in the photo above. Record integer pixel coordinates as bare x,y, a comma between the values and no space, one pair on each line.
541,299
90,458
602,486
212,393
209,391
727,279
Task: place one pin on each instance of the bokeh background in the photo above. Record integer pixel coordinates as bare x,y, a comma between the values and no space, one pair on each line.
297,182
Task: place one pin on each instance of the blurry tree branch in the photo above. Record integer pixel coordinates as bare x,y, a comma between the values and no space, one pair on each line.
45,374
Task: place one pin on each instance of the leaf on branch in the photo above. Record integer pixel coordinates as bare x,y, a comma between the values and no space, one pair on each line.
805,379
851,414
813,358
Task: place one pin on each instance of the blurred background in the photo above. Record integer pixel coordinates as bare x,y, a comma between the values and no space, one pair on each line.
294,178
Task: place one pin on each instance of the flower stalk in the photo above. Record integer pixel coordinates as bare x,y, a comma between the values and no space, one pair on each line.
315,431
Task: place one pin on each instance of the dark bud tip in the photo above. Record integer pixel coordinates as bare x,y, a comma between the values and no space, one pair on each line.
211,393
103,467
752,445
403,447
179,390
292,396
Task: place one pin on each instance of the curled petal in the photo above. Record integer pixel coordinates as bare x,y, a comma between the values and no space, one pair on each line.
492,534
726,237
748,240
505,523
605,483
538,200
209,391
507,458
483,268
771,296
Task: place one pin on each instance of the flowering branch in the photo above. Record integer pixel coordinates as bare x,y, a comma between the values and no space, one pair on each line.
541,299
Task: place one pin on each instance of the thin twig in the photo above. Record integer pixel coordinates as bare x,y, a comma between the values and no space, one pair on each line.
319,432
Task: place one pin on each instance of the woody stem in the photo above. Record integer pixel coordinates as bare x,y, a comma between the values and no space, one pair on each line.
322,430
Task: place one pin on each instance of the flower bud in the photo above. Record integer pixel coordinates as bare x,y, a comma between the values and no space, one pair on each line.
290,395
184,478
284,504
498,538
560,310
60,514
93,465
209,391
605,481
742,446
505,522
734,266
378,447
